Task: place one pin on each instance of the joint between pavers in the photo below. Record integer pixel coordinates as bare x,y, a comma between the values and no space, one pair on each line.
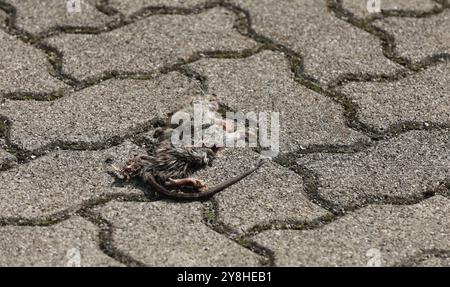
106,240
210,217
24,156
387,40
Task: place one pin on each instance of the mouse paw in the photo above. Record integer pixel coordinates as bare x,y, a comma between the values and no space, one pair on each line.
200,185
197,184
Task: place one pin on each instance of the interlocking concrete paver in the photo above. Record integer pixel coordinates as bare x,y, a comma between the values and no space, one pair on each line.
271,193
73,242
24,68
40,17
6,159
330,47
59,181
150,44
408,165
81,90
359,8
96,114
172,234
247,85
376,235
129,7
422,97
417,39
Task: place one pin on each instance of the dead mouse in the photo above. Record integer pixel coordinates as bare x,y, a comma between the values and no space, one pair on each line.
170,166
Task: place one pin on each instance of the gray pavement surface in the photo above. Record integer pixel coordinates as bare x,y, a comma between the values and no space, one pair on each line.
363,173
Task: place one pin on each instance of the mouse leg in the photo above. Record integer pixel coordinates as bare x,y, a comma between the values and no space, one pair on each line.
133,165
198,184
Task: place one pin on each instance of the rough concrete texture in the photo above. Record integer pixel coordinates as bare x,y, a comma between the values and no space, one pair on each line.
271,193
421,97
435,262
72,243
382,235
330,47
417,39
147,47
3,18
362,175
409,165
6,159
128,7
359,7
61,181
24,68
172,234
96,114
245,86
50,14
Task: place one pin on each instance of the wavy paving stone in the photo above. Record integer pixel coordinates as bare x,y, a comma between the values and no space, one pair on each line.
405,166
359,7
98,113
417,39
150,44
73,242
330,47
60,180
264,83
129,7
422,97
376,235
24,68
271,193
171,234
39,17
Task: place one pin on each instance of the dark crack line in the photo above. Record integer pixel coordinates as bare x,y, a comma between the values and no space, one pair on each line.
104,7
388,43
65,214
106,239
394,77
406,13
55,57
118,20
24,156
177,66
311,183
210,216
291,224
56,60
322,221
122,20
214,223
106,229
311,186
351,108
